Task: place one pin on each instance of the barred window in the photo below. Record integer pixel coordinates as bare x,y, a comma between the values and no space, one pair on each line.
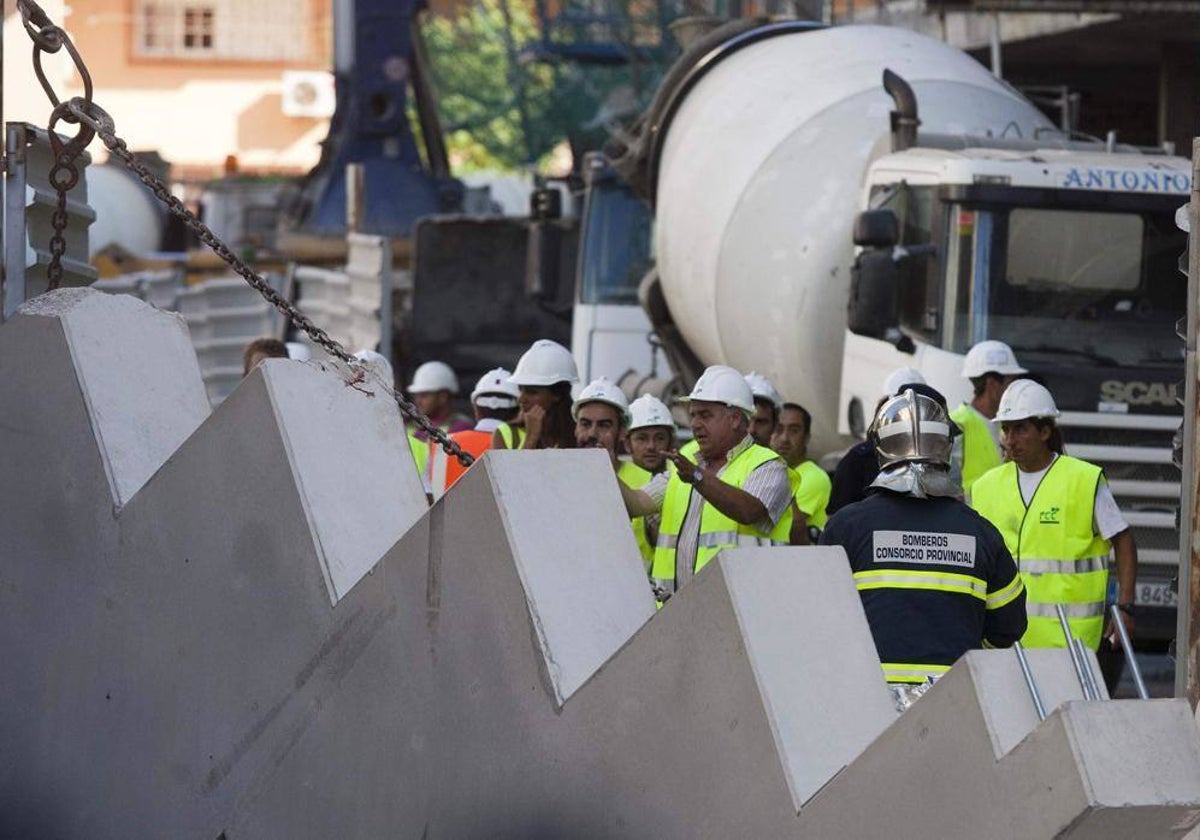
232,30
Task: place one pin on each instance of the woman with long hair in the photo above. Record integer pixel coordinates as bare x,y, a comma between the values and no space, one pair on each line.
544,374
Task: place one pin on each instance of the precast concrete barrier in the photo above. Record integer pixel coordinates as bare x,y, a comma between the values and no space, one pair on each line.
249,624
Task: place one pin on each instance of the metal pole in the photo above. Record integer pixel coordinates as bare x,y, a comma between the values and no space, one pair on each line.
1187,625
997,67
1092,686
356,197
1028,674
1129,657
1066,628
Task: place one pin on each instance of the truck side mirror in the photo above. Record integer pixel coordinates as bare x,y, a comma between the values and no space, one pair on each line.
874,295
876,229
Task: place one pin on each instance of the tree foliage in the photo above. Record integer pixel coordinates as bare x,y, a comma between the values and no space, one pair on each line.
503,109
495,108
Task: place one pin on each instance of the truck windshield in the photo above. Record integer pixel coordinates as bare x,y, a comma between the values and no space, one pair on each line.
615,252
1098,287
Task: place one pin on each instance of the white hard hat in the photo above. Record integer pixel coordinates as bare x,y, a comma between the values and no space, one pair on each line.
433,376
647,411
494,390
298,351
762,389
1023,400
377,363
602,391
544,364
991,357
722,384
899,377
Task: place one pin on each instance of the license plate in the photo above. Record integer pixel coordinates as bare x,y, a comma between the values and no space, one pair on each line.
1156,594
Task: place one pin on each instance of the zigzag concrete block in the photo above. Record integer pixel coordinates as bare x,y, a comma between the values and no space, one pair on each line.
215,651
971,759
165,657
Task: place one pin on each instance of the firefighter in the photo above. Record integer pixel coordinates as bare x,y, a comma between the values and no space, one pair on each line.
935,577
1059,519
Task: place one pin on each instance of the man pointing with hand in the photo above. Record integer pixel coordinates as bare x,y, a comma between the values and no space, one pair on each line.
735,493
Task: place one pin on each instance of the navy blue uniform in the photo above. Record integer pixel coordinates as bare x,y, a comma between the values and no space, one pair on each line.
935,580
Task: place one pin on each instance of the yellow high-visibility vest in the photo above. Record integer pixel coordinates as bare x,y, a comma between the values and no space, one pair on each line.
980,453
636,478
717,531
812,497
1061,558
420,453
509,433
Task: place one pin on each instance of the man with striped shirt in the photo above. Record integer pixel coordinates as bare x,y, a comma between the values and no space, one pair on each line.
736,493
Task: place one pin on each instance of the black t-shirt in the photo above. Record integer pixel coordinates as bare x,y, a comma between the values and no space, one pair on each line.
957,584
853,476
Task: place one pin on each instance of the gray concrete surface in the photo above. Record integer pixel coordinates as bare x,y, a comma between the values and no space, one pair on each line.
971,754
223,655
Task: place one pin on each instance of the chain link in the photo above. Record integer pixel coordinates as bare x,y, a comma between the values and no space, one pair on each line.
49,39
95,121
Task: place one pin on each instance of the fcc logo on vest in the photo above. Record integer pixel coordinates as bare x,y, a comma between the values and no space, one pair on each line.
1049,516
924,547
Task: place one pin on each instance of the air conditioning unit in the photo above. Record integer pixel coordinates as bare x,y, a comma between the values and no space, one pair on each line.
308,93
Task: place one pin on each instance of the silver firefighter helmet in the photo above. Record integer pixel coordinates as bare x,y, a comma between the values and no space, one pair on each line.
911,428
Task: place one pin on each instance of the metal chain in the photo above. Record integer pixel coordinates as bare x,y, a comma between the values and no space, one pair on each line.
95,121
64,175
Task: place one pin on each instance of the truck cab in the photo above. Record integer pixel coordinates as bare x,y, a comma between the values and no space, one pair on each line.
611,334
1071,258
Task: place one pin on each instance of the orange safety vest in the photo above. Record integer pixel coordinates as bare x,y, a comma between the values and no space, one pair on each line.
444,470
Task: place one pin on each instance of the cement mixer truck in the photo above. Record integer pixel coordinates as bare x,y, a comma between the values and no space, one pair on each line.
784,178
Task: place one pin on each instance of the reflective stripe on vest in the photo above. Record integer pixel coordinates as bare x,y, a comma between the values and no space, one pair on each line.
907,672
933,581
444,469
717,531
812,497
1061,558
979,451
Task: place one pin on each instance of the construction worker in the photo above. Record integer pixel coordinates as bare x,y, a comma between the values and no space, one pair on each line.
494,400
432,389
544,375
767,404
601,414
735,493
859,466
990,366
651,435
379,369
935,577
1059,520
791,441
260,350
